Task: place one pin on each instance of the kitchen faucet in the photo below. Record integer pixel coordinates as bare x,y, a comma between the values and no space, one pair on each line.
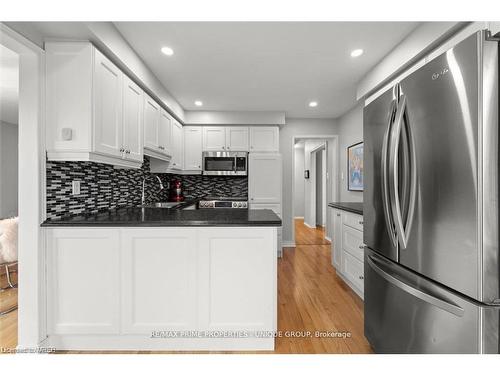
143,199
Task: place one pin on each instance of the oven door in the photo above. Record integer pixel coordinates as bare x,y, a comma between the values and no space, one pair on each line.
224,163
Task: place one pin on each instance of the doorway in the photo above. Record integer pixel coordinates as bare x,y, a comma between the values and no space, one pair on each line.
314,185
9,171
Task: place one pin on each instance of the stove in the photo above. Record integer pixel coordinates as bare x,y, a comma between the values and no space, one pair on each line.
223,202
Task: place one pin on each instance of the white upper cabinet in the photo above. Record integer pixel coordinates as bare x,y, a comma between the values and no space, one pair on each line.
264,139
151,124
108,129
225,138
157,130
133,116
214,138
94,112
165,133
236,138
177,146
264,178
193,145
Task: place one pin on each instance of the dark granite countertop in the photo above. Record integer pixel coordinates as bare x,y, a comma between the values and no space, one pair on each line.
354,207
161,217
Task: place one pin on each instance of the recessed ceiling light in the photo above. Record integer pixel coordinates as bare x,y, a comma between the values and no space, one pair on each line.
198,103
356,53
313,104
167,51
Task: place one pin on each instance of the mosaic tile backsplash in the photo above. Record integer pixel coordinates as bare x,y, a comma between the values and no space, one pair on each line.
103,187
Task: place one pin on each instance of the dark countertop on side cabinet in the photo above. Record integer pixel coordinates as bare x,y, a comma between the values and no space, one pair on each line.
354,207
161,217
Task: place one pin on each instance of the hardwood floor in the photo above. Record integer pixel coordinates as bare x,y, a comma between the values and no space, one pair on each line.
8,322
311,298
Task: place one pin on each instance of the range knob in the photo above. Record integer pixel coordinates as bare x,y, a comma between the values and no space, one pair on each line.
234,204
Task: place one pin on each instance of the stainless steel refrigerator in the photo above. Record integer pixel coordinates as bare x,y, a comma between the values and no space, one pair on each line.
431,206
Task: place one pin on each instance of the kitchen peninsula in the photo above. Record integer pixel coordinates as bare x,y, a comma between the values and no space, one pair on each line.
161,279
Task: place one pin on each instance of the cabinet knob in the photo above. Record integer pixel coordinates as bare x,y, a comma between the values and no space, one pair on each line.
228,147
251,199
127,152
361,277
360,223
361,247
122,149
338,215
199,166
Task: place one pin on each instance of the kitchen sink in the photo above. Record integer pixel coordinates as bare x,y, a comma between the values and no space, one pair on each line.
161,205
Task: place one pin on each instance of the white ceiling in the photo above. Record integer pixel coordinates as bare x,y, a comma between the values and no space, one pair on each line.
9,85
272,66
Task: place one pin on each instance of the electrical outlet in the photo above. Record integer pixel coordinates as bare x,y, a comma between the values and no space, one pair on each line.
75,187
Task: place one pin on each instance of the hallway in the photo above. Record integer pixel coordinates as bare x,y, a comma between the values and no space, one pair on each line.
313,298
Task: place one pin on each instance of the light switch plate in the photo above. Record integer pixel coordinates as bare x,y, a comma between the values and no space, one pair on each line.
75,185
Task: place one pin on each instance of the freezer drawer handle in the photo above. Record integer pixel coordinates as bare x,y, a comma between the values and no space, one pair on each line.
444,305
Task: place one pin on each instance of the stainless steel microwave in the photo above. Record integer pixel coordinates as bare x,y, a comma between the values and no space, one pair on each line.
222,163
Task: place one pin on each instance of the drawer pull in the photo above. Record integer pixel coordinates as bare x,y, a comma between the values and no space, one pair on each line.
361,247
361,277
360,222
338,215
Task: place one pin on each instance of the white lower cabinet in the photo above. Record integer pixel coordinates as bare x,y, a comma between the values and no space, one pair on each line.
348,248
83,275
159,273
113,288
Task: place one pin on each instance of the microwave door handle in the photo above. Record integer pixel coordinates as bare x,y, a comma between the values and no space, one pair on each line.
384,178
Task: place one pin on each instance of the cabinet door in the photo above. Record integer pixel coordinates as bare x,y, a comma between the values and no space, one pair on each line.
159,280
353,270
214,138
264,139
337,240
108,128
133,120
238,282
177,146
83,281
151,124
192,148
165,133
264,178
237,138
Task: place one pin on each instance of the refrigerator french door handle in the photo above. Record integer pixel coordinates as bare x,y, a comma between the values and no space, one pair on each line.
385,185
402,230
385,272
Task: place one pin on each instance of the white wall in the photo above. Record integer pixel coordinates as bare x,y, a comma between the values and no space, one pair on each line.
296,127
298,199
234,118
351,132
8,169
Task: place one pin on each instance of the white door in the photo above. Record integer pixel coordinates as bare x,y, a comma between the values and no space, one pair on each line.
237,288
214,138
165,133
108,128
264,178
237,138
133,120
177,146
337,239
83,282
159,280
264,139
192,148
151,124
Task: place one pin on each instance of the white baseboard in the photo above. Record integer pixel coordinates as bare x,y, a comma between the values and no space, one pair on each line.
299,217
288,244
309,225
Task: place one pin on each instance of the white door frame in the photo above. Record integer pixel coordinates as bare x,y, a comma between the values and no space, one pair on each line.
333,158
314,180
31,292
